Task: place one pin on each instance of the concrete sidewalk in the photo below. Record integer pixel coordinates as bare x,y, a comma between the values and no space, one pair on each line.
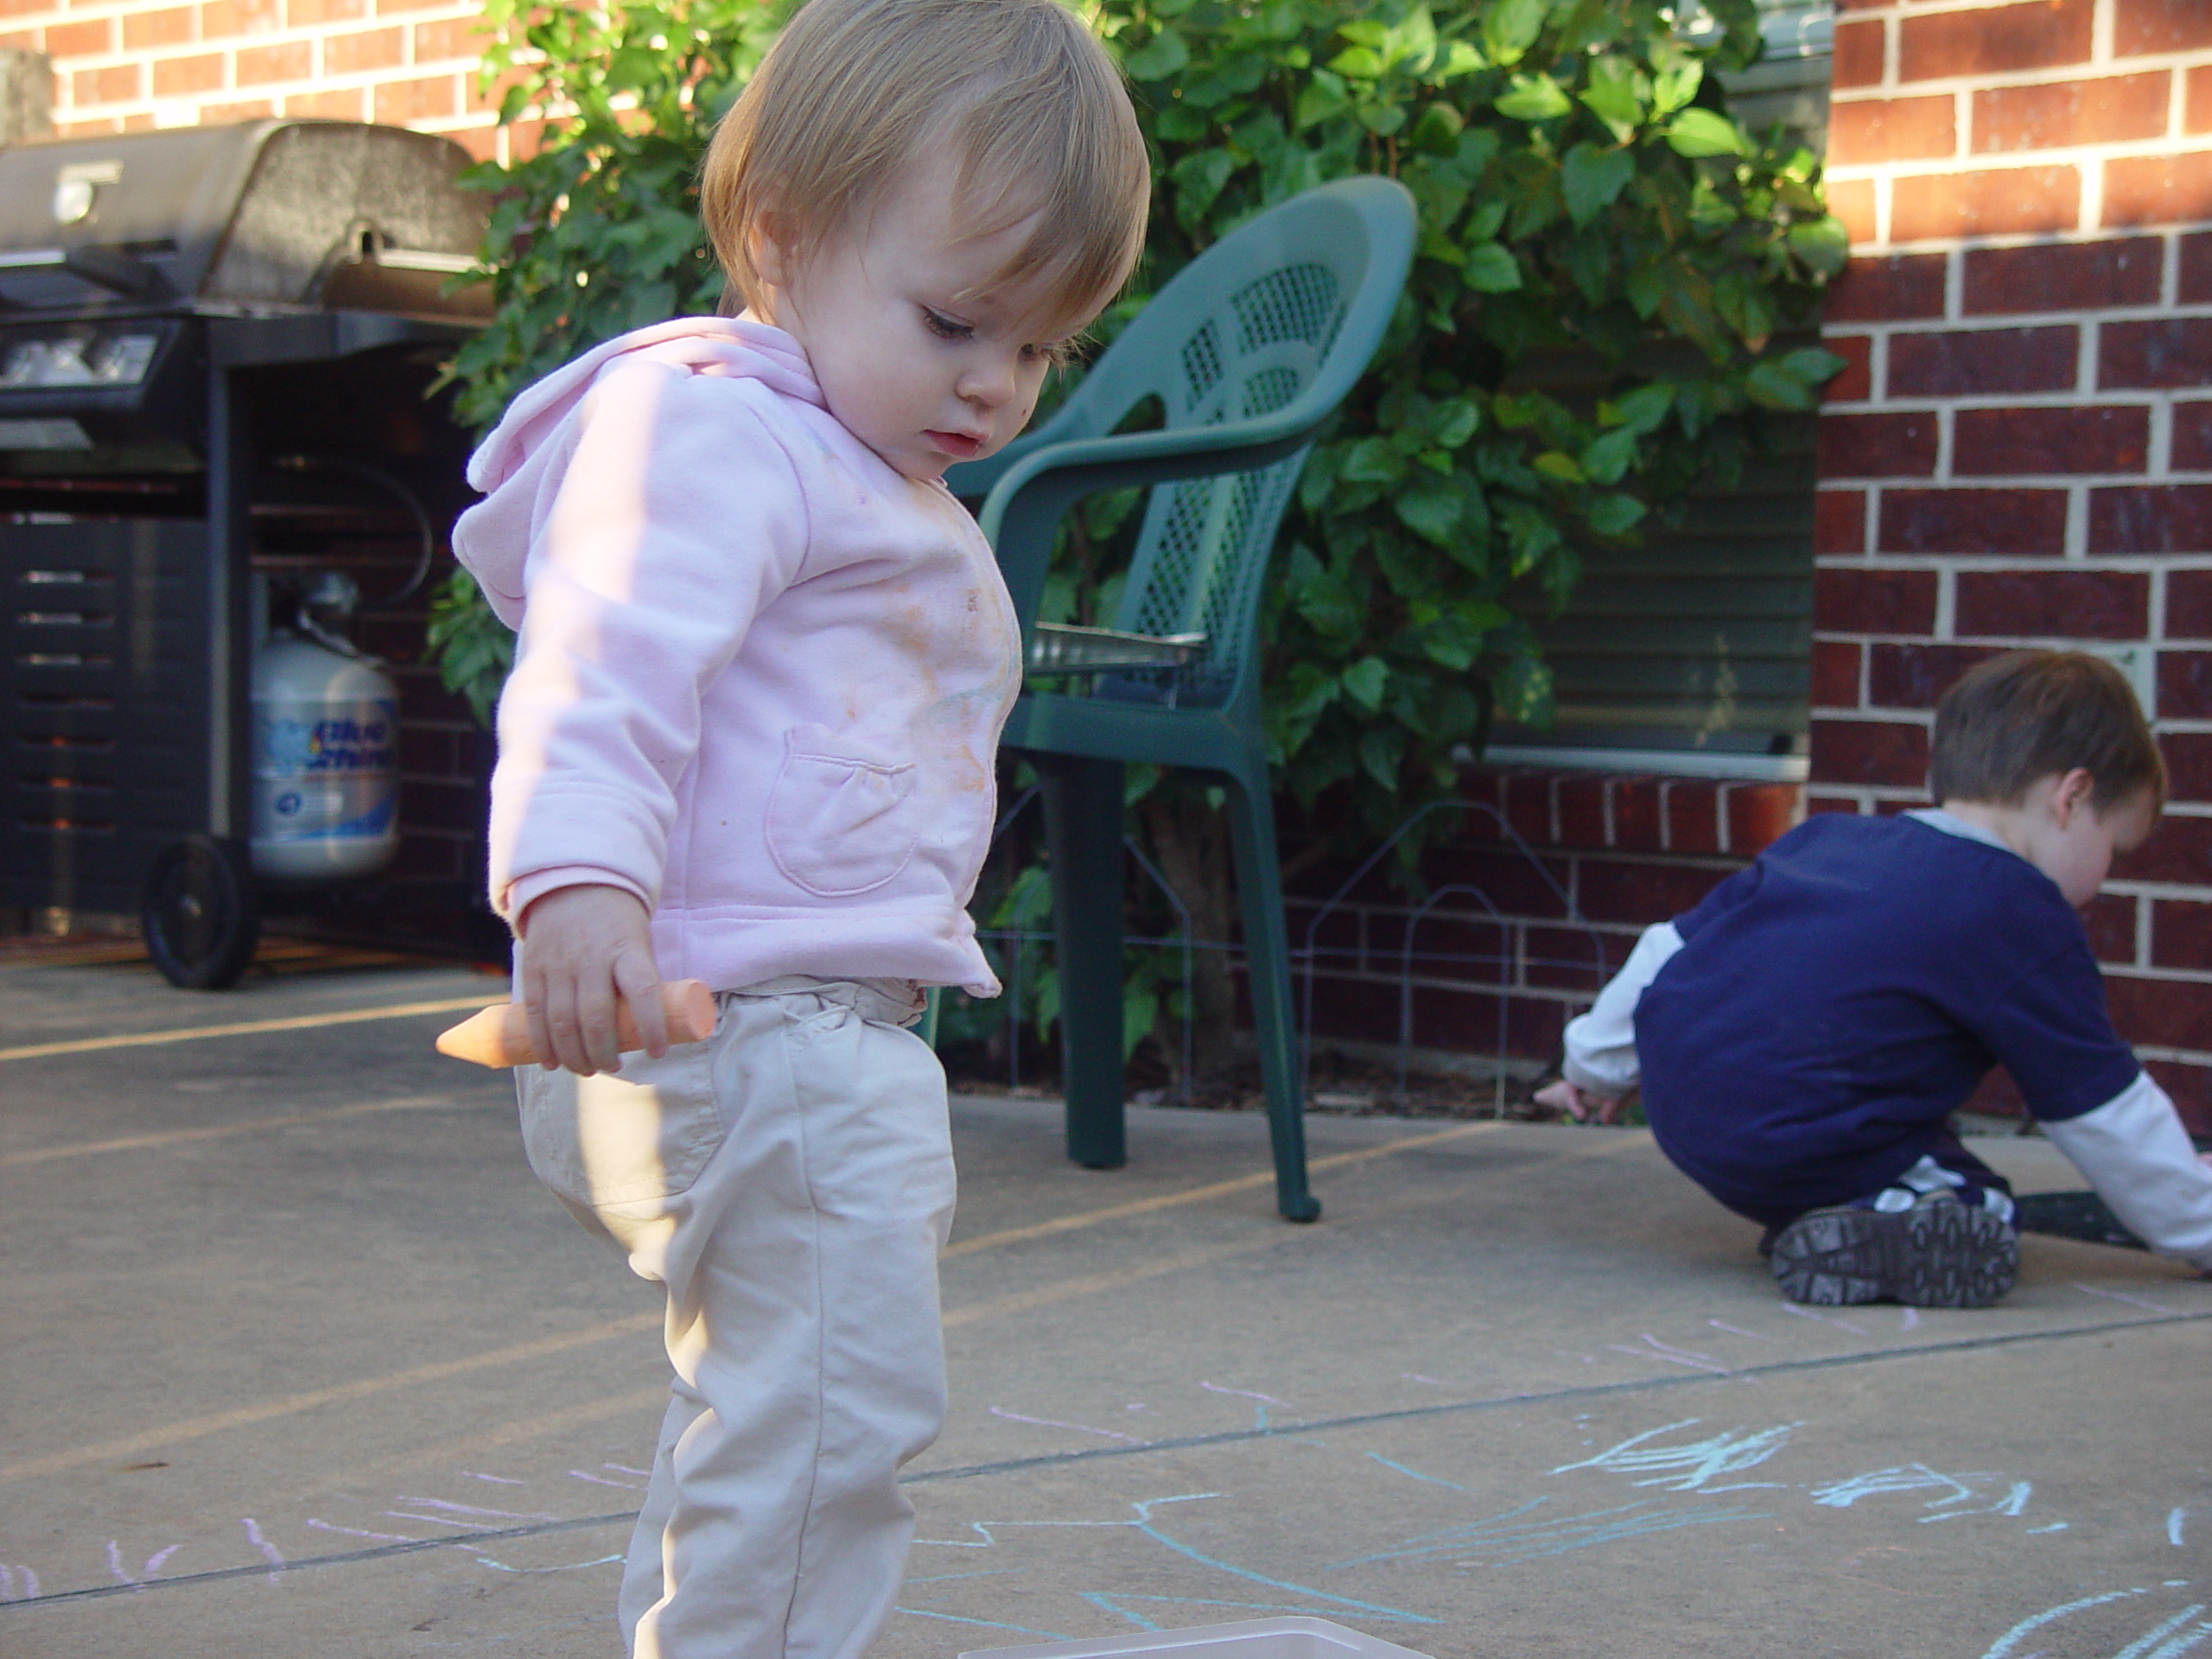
299,1360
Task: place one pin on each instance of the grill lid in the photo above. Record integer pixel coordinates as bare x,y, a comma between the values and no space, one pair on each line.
264,215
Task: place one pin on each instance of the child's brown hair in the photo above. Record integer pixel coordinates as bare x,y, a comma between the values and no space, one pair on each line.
853,89
2031,714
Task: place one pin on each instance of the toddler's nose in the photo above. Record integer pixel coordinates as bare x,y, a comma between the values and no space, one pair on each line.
988,383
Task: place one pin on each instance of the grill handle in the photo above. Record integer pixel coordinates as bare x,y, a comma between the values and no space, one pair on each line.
118,273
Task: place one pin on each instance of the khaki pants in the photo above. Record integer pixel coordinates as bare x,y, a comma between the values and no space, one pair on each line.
790,1182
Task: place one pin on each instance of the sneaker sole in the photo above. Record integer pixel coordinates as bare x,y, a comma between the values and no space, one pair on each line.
1940,1255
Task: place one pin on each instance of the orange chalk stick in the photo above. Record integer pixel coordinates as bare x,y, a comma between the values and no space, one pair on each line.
500,1035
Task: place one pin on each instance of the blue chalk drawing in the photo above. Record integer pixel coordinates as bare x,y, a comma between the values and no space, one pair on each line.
1434,1480
1687,1468
1496,1541
2012,1638
1145,1525
2153,1640
1919,1478
2173,1527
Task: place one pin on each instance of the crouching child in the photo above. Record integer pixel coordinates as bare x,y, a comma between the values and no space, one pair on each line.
1802,1037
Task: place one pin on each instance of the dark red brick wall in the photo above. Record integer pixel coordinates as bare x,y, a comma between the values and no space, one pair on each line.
1526,925
2020,450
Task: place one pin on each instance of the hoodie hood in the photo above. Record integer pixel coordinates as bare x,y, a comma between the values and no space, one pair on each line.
493,538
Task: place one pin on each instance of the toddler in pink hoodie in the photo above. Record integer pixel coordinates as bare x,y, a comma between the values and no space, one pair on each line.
764,659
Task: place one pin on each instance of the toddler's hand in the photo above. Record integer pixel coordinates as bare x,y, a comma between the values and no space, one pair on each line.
581,947
1578,1103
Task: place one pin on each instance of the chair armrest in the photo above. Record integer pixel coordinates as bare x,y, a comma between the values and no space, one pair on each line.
1026,504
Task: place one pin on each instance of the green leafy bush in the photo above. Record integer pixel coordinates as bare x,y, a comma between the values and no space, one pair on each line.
1606,259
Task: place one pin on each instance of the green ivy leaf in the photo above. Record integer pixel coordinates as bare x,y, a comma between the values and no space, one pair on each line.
1640,411
1534,97
1510,27
1373,460
1157,58
1771,386
1592,178
1366,680
1432,508
1705,132
1490,270
1676,85
1608,454
1555,464
1613,513
1617,93
1822,244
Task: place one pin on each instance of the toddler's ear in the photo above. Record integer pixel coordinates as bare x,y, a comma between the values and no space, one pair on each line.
769,242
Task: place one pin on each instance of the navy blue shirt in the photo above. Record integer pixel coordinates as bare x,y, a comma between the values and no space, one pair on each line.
1834,1003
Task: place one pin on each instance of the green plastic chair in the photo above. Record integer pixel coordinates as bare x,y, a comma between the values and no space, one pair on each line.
1249,349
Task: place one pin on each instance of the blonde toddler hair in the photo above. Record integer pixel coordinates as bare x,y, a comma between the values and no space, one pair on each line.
852,90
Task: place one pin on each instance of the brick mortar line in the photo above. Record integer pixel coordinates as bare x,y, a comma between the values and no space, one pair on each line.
2124,563
1892,91
2013,161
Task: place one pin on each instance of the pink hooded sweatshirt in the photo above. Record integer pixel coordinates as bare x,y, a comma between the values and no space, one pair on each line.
761,674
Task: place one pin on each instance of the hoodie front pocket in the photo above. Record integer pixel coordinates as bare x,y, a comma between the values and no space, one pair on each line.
838,821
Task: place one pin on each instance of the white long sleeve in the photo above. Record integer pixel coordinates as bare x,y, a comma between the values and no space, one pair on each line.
2136,1155
1601,1044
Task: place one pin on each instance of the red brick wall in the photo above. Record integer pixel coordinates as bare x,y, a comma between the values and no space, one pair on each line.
1599,858
123,65
2021,450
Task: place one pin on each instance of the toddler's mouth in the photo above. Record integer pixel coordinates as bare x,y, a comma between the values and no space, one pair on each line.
960,445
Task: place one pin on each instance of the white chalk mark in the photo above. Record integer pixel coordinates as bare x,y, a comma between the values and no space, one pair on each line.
1823,1318
2012,1638
601,1480
1687,1468
154,1561
1567,1354
565,1567
115,1565
2173,1527
1080,1429
625,1469
1415,1376
1672,1359
1738,1331
2055,1526
440,1521
503,1480
467,1509
356,1532
2182,1644
1910,1320
2156,1637
1216,1388
2122,1296
268,1550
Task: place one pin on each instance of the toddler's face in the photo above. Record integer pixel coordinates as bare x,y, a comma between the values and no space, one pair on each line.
914,354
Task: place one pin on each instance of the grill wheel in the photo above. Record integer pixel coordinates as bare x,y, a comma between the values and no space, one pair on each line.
200,914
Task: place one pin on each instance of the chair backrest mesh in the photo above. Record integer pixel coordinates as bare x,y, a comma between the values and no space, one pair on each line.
1203,551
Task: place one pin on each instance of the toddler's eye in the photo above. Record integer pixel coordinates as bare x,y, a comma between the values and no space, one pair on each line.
946,328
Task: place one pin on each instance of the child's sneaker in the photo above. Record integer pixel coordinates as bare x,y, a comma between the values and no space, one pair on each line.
1938,1254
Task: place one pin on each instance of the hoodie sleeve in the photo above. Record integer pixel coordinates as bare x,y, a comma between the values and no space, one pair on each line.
678,518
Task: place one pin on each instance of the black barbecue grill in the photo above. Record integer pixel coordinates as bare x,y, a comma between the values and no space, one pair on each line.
209,338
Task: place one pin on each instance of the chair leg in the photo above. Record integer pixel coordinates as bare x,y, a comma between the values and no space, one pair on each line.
1266,955
1083,838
